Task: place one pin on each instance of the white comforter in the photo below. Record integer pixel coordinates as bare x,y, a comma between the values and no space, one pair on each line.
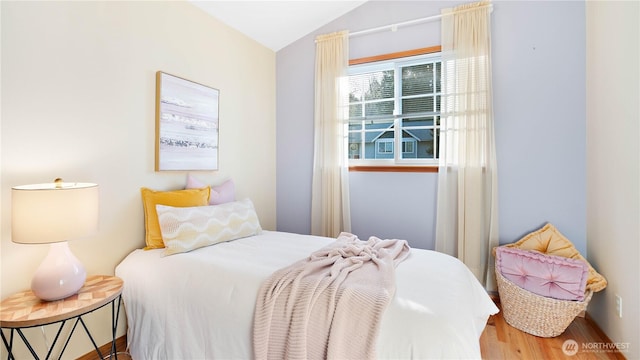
199,305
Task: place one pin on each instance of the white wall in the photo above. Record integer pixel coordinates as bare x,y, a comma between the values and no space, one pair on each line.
78,97
613,170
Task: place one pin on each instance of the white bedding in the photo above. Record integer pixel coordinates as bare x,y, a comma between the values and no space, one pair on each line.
199,305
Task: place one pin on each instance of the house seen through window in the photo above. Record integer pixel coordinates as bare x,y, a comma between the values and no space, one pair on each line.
394,111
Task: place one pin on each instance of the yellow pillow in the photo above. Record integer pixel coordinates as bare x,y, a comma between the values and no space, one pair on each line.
179,198
548,240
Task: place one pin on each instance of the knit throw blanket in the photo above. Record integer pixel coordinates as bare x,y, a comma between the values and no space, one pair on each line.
330,304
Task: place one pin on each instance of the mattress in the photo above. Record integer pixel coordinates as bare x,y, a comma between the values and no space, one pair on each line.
200,304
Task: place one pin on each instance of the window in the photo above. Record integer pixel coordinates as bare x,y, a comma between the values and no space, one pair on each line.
408,146
394,111
385,147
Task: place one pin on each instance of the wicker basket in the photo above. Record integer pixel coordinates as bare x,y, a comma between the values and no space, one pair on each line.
535,314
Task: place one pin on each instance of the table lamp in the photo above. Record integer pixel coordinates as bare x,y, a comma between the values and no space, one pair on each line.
54,213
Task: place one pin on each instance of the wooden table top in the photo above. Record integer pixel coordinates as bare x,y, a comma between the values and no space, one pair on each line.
24,309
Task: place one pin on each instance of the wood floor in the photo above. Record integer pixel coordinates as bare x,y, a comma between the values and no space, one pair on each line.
502,341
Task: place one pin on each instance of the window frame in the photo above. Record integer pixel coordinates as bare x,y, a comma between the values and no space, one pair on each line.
392,165
405,145
386,150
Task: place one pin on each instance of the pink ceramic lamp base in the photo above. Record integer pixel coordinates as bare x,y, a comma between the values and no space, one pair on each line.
60,274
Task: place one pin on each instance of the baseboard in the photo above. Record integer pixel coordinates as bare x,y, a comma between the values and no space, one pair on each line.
494,296
595,327
121,346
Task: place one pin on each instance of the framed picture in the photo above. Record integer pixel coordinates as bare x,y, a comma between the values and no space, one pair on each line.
186,124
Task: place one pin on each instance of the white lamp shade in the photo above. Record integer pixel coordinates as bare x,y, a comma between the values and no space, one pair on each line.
53,212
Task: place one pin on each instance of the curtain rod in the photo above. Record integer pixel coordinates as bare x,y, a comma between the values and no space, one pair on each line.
394,27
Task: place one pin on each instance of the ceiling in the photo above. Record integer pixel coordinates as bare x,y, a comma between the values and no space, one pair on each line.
276,24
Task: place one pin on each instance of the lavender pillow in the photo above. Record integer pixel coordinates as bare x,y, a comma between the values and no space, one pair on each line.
546,275
220,194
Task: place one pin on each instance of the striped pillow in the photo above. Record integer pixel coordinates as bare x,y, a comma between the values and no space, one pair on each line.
189,228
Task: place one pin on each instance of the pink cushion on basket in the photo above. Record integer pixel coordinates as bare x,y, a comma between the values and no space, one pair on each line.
220,194
546,275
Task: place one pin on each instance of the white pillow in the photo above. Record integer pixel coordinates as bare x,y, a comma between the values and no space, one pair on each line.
189,228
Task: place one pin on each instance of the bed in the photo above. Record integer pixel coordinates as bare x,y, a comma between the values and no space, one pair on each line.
200,304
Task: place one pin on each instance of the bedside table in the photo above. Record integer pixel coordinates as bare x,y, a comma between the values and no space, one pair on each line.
25,310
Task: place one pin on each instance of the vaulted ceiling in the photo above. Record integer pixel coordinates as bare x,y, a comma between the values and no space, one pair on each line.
276,24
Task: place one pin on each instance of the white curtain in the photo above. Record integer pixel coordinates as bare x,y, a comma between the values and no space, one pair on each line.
330,210
467,218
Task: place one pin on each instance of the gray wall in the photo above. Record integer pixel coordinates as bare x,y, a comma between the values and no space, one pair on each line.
539,100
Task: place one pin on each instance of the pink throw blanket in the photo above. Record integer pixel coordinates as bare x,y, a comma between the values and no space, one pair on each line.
330,304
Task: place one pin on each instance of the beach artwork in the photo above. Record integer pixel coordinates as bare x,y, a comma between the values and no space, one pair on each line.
186,124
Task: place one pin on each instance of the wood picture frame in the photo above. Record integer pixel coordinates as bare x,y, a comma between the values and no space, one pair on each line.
186,124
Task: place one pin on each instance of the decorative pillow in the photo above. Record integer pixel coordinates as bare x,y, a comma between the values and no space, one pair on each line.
191,197
220,194
546,275
548,240
189,228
